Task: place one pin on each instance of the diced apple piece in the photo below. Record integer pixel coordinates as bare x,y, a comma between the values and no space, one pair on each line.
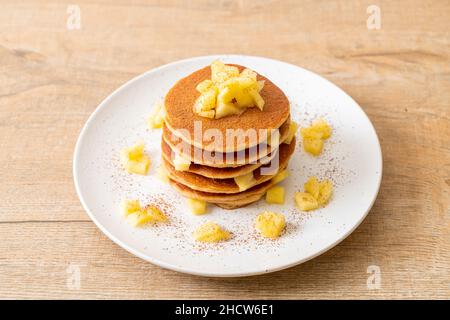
221,72
236,91
155,121
261,85
314,135
204,86
248,74
243,98
180,163
206,101
313,146
130,206
245,181
227,109
138,166
207,114
259,101
316,194
318,130
312,186
293,126
305,201
227,92
311,133
275,195
138,218
156,118
323,127
280,176
134,160
211,232
325,192
198,207
270,224
134,152
162,174
155,214
246,83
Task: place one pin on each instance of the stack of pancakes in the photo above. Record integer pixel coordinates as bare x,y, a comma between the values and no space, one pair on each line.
214,165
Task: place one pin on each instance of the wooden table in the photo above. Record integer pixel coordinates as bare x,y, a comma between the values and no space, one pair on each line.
53,75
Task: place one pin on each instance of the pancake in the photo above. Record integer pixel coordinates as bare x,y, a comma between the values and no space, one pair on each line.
213,172
222,160
227,186
179,102
226,201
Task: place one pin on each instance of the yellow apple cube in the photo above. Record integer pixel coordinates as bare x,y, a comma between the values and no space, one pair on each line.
293,126
270,224
134,160
204,86
260,85
323,127
138,166
314,136
133,153
198,207
206,101
311,133
325,192
275,195
247,73
280,176
245,181
156,118
227,109
221,72
316,194
180,163
149,215
313,146
259,101
130,206
155,214
318,130
211,232
155,121
162,174
241,93
207,114
312,186
227,92
138,218
306,201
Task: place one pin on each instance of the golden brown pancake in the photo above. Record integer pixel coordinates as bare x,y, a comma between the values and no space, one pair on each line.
205,184
213,172
226,201
222,160
179,103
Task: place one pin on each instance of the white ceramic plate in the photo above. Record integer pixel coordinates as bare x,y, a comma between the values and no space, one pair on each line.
351,159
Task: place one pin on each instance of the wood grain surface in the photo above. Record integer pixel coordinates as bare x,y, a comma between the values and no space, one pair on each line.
52,77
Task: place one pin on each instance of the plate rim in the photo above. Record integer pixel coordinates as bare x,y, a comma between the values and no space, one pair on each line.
176,268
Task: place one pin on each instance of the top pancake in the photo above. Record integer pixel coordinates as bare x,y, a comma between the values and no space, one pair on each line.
180,100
